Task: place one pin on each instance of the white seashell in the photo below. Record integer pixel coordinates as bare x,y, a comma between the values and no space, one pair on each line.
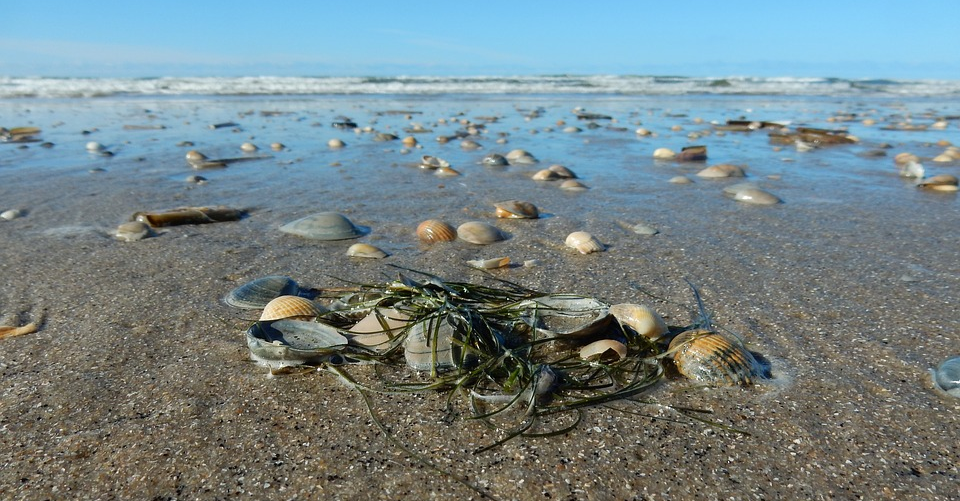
756,196
133,231
604,349
664,154
277,146
641,319
584,242
336,143
95,146
490,264
366,251
573,185
11,214
248,147
378,329
324,226
477,232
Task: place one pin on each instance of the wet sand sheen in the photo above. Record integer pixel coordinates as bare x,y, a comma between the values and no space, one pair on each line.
139,383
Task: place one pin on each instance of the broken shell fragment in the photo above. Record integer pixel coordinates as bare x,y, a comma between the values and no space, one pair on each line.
584,242
434,230
490,264
189,215
366,251
516,209
480,233
294,307
641,319
604,349
714,358
10,331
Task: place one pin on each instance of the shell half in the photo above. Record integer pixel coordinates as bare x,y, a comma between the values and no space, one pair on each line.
290,307
584,242
714,358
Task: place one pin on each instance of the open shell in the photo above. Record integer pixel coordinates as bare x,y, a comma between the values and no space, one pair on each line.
642,319
434,230
584,242
255,294
295,307
714,358
516,209
287,343
940,182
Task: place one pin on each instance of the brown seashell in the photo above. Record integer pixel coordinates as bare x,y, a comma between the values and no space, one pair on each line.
584,242
604,349
480,233
664,154
722,170
692,154
545,175
293,307
905,158
194,156
562,171
446,172
490,264
573,185
641,319
940,182
434,230
515,209
366,251
714,358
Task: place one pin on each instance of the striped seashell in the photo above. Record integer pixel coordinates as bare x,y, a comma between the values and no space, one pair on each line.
434,230
584,242
714,358
293,307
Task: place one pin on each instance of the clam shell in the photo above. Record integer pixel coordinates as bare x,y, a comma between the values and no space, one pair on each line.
545,175
428,345
490,264
584,242
446,172
940,182
516,209
468,144
434,230
133,231
567,315
290,307
714,358
248,147
722,170
494,159
366,251
324,226
573,185
480,233
255,294
756,196
293,342
947,376
561,171
604,349
336,143
194,156
431,162
664,154
378,329
641,319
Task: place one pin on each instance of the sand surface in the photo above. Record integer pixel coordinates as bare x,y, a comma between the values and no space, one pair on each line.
139,383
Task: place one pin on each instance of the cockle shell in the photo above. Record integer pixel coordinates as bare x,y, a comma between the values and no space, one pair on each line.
561,171
940,182
255,294
516,209
722,170
641,319
366,251
294,307
604,349
480,233
434,230
324,226
946,377
714,358
584,242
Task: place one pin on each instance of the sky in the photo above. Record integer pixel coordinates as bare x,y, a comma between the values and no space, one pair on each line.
812,38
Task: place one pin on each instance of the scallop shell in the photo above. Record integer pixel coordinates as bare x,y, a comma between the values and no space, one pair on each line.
567,315
434,230
516,209
561,171
947,377
756,196
295,307
366,251
324,226
480,233
714,358
604,349
584,242
293,342
722,170
255,294
641,319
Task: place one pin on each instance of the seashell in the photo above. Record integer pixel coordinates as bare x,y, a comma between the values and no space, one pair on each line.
11,214
189,215
572,130
286,343
681,180
429,345
904,158
494,160
446,172
294,307
911,169
562,171
946,377
324,226
643,132
664,154
95,147
515,209
255,294
336,143
480,233
604,349
194,156
756,196
277,146
573,185
641,319
490,264
545,175
692,154
732,189
409,141
943,158
248,147
468,144
382,137
195,179
940,182
566,315
584,242
11,331
378,329
517,154
722,170
133,231
431,162
714,358
434,230
366,251
521,157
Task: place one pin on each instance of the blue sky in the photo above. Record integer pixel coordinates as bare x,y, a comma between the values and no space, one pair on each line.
143,38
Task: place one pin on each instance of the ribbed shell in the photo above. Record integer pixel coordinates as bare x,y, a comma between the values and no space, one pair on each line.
714,358
584,242
256,294
289,307
434,230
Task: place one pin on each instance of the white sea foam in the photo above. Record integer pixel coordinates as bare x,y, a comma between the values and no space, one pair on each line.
37,87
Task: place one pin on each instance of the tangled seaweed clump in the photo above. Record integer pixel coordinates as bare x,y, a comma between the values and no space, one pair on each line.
509,351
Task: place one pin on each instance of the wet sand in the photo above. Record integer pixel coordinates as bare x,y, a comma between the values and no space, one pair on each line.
139,384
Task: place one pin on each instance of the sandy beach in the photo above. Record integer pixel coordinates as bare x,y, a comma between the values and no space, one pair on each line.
139,385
